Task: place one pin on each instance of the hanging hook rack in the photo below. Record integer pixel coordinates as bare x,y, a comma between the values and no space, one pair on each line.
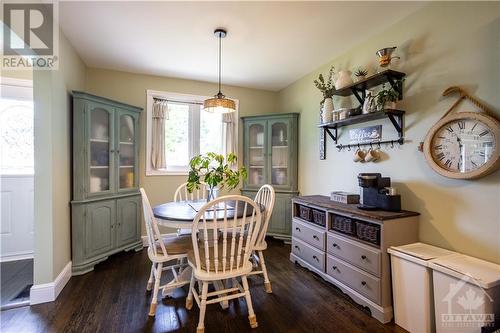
341,147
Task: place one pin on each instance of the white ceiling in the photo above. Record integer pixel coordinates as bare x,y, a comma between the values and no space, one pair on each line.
269,44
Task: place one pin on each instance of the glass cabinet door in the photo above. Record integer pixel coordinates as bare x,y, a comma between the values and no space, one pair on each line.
100,143
127,151
256,152
280,152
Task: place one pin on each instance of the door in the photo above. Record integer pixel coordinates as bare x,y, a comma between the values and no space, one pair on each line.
280,222
128,226
280,153
256,152
100,149
100,227
127,150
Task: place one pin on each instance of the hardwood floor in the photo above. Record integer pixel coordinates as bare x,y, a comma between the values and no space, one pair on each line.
15,278
112,298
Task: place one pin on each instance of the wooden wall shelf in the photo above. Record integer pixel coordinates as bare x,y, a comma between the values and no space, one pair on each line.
358,89
395,116
388,76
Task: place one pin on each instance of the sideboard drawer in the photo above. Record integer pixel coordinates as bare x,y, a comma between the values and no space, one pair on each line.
309,234
310,254
355,253
356,279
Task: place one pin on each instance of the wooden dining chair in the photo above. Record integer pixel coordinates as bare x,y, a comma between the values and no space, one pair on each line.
226,257
266,198
182,194
160,251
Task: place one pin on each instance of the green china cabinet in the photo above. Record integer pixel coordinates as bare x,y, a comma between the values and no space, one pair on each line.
106,205
270,156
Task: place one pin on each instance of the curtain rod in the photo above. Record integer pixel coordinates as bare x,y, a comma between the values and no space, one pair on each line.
176,101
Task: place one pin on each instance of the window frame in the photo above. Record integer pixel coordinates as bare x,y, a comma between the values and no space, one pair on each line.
21,90
193,132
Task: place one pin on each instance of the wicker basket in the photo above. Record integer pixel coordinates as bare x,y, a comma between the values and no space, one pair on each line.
319,217
343,224
305,213
368,232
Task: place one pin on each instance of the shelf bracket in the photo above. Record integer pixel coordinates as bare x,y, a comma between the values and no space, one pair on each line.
333,136
396,85
397,122
361,99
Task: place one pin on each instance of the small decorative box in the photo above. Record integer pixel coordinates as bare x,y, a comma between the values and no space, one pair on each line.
344,197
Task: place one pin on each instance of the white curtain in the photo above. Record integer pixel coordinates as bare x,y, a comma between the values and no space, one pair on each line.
230,121
160,115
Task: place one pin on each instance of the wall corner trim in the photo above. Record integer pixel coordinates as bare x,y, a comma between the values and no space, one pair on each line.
48,292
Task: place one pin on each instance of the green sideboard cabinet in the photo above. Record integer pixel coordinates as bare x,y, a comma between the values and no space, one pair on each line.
270,157
106,205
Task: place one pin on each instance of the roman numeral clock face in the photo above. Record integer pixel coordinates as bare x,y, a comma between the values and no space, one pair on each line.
464,146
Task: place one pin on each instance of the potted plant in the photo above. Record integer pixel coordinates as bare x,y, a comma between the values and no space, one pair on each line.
327,88
360,73
386,98
216,171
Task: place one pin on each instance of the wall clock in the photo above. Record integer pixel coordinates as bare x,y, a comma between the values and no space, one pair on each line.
464,145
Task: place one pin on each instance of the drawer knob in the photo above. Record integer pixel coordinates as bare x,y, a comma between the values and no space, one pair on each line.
316,258
363,257
363,283
316,237
334,268
297,228
335,245
297,247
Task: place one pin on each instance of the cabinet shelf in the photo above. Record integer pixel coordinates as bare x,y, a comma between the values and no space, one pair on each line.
126,143
100,140
280,147
99,167
256,147
126,166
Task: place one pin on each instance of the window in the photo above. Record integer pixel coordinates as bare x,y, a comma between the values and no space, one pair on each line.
189,131
16,128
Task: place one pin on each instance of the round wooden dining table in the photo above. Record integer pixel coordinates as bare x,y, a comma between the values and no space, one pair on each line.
180,214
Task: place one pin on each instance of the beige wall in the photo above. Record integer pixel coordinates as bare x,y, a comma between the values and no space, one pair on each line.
131,88
53,161
441,45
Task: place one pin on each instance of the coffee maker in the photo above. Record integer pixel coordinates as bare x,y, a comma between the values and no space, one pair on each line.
377,194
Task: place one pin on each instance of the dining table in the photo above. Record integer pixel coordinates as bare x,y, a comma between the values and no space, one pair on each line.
180,215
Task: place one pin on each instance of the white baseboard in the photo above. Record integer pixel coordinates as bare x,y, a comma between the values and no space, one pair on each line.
48,292
168,235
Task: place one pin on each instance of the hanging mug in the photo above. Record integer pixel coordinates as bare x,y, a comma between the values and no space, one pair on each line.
372,155
359,155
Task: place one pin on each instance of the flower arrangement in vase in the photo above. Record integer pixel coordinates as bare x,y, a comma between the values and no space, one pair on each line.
327,88
216,171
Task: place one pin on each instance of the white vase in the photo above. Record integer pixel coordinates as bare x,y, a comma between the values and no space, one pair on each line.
326,112
343,80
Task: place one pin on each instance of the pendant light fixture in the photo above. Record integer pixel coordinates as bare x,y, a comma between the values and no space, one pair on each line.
219,104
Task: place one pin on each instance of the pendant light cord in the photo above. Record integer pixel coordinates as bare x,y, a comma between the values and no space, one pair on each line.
220,56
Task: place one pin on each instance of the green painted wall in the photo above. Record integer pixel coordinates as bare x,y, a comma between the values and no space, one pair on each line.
443,44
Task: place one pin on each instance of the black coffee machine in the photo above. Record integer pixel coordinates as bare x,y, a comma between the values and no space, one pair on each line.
377,193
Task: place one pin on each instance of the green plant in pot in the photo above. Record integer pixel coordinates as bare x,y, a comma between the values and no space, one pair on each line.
327,88
386,98
216,171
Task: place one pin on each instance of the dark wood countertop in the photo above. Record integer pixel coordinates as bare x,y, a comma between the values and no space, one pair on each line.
351,209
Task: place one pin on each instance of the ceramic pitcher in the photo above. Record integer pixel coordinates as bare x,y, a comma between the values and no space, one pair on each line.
343,79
